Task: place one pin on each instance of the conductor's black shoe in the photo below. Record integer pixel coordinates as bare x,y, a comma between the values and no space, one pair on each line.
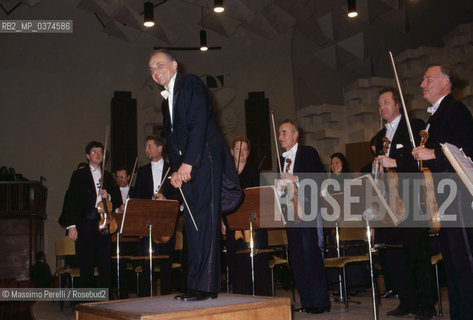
184,295
401,310
200,296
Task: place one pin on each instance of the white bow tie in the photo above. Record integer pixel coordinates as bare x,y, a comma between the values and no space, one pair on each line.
433,108
389,126
165,94
287,154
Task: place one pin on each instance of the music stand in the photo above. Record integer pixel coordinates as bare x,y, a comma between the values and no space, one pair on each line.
145,217
260,210
378,209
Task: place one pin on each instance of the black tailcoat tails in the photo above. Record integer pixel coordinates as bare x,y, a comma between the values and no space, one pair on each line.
453,123
92,247
305,256
193,138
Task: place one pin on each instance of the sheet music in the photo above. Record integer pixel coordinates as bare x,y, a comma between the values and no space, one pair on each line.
461,163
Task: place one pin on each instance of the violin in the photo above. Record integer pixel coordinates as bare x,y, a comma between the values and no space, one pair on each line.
392,180
430,202
292,187
107,223
107,218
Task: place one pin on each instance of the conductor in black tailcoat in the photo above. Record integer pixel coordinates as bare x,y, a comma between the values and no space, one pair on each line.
450,121
81,219
305,256
409,266
199,161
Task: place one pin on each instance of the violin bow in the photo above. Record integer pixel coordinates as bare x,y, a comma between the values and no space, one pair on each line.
163,180
411,136
132,175
104,154
276,142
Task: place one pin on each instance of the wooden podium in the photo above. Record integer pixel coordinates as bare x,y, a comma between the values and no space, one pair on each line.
225,307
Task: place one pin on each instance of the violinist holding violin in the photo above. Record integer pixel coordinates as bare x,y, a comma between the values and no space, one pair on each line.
81,217
305,255
409,264
450,121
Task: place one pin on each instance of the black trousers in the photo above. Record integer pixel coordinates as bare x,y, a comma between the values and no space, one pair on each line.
203,195
456,245
93,249
307,265
410,268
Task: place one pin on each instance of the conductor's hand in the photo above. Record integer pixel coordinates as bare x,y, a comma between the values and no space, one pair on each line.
183,175
72,233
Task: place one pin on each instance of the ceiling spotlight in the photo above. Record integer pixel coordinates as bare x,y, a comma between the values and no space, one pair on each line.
351,4
203,40
218,6
149,15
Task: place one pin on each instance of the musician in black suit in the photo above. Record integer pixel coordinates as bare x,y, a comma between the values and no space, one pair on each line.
305,256
201,165
409,265
122,176
150,176
450,121
151,184
81,219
